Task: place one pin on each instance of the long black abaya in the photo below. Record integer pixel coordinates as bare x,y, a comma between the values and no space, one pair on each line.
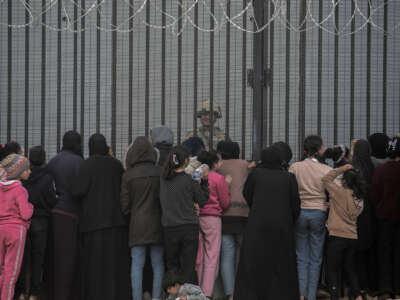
104,251
267,267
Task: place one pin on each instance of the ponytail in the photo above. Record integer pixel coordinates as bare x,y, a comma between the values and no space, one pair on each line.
353,181
176,159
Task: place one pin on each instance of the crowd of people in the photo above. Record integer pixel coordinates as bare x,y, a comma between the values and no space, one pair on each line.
168,220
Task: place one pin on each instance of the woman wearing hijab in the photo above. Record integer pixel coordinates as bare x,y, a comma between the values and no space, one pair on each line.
63,248
267,267
104,249
366,257
140,200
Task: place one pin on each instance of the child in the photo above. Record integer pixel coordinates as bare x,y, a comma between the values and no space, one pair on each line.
346,204
42,195
179,195
310,227
15,212
234,219
210,222
176,290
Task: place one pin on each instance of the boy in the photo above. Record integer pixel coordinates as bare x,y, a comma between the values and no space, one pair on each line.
42,195
15,212
173,285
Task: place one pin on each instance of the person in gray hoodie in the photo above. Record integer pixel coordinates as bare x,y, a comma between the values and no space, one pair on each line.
162,139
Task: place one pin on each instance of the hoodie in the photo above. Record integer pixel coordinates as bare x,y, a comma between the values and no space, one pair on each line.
140,194
219,199
41,191
14,205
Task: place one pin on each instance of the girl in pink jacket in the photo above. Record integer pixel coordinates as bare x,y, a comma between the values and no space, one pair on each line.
15,213
210,223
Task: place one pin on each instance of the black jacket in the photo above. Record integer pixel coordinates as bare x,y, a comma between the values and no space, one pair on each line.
97,186
64,168
140,194
41,190
178,196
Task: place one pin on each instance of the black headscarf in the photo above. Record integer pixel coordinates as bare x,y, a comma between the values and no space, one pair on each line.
98,145
362,160
72,142
271,158
379,143
140,151
285,153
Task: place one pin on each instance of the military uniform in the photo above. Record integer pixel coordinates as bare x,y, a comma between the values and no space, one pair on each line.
204,107
204,134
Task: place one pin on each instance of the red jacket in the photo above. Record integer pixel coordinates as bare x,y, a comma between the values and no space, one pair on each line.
385,191
219,196
14,205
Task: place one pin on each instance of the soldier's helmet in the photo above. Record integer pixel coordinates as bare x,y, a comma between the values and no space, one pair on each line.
205,107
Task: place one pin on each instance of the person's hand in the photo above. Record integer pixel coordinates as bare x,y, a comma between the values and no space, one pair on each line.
196,207
347,167
182,298
252,165
205,172
228,179
110,152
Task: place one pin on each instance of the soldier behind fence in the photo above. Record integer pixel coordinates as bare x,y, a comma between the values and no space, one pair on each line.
207,122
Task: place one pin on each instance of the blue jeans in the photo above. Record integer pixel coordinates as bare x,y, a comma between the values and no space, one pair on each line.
138,255
310,238
230,247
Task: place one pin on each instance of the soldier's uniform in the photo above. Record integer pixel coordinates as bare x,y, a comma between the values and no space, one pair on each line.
204,132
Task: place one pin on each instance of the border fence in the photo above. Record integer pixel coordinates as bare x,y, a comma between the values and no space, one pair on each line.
279,70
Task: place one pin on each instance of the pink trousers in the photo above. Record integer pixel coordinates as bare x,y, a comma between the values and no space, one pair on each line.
208,253
12,243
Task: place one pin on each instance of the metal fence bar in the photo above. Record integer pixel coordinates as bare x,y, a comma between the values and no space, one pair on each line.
59,52
384,79
336,77
195,67
211,74
287,74
83,58
258,84
130,85
75,73
9,71
227,69
98,37
244,67
319,83
27,89
270,76
43,76
368,72
147,80
114,78
163,44
265,78
352,70
302,73
180,73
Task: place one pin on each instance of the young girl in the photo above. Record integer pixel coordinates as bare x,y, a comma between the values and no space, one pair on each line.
234,219
179,196
346,204
210,222
310,227
15,213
